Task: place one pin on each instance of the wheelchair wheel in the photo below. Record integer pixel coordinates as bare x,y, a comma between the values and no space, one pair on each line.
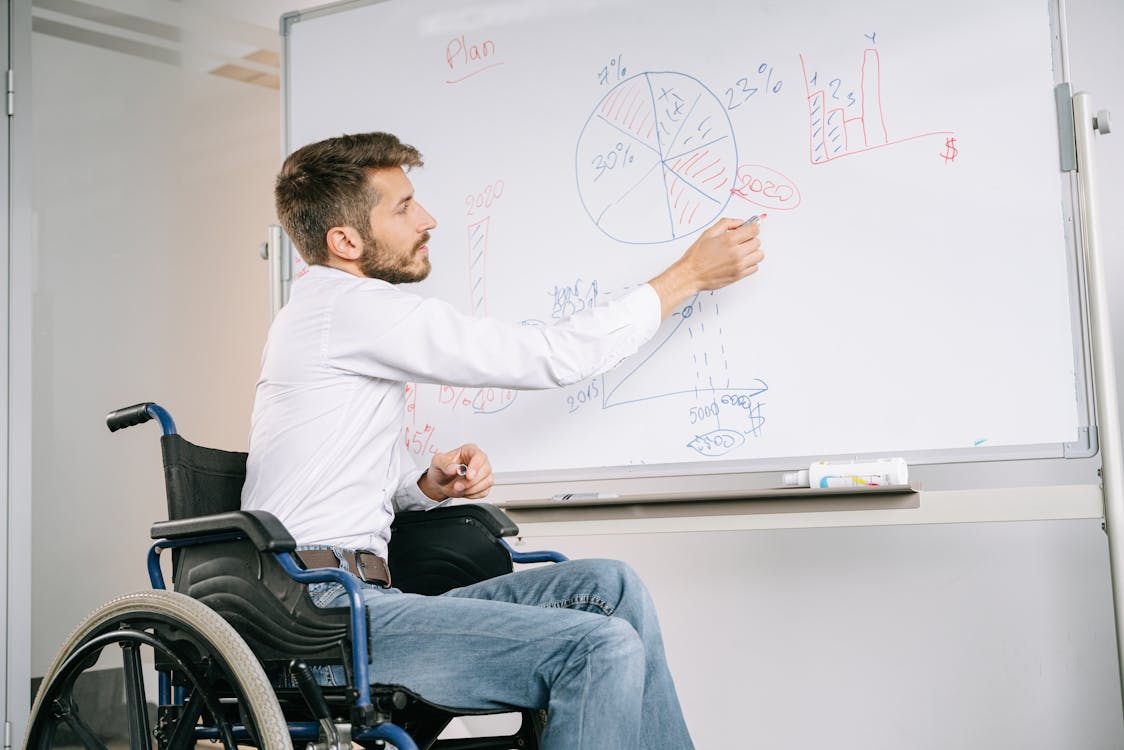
224,686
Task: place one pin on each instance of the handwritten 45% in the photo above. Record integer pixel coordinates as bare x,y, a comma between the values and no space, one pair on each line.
618,156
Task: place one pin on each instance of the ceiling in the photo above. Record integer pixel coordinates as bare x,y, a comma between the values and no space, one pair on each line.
236,39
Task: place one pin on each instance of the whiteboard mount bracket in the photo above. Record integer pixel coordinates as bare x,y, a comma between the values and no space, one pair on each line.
1085,446
1067,136
1102,122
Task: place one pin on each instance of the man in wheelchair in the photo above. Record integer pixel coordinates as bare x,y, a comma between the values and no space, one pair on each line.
579,639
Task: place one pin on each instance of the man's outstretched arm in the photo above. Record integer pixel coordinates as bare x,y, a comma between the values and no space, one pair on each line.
726,252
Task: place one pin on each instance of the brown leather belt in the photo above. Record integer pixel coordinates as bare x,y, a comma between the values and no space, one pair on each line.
367,565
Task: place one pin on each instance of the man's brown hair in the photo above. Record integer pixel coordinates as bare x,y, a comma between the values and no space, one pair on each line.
324,185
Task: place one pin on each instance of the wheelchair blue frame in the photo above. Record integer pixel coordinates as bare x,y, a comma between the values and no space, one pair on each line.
305,731
359,653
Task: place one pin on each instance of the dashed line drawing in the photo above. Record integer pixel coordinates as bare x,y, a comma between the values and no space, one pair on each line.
723,414
625,384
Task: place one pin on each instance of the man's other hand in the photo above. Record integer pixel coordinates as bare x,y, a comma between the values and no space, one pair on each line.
445,479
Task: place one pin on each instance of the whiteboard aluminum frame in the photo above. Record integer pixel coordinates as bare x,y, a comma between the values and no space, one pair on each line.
1104,366
1085,446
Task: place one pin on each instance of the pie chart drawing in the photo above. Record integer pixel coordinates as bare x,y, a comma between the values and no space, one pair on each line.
657,158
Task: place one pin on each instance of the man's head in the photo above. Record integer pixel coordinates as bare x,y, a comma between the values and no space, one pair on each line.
347,202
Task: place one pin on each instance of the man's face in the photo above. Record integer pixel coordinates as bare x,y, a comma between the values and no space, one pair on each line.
394,245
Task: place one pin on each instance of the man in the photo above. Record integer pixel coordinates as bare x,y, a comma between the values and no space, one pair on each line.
580,639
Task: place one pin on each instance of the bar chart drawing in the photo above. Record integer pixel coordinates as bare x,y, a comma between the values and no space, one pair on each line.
656,159
477,265
832,132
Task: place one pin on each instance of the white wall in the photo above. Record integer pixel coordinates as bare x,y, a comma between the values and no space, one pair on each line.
987,635
153,188
882,638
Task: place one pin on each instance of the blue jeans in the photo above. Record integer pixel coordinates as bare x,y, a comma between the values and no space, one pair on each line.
578,638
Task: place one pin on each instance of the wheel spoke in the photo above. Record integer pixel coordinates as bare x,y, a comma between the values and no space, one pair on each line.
222,724
140,731
67,712
183,735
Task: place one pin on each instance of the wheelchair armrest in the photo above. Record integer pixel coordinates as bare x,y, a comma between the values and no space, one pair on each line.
489,516
261,527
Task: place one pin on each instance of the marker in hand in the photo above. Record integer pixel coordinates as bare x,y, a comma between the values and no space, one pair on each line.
751,219
462,471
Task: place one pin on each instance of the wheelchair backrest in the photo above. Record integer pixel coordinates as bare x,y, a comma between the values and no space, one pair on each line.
249,589
201,481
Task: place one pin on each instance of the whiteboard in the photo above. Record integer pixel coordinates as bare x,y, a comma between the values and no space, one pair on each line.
920,294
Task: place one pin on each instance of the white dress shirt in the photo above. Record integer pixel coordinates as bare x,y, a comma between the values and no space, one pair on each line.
327,455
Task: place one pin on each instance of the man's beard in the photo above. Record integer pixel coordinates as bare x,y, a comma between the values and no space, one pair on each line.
376,264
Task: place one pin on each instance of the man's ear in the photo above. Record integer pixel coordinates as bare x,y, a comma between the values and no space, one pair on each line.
345,243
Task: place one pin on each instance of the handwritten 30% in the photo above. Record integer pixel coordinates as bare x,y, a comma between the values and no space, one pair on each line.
619,156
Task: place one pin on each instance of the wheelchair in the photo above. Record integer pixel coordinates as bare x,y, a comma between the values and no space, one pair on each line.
233,648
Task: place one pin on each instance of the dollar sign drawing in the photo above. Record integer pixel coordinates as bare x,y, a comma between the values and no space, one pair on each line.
950,150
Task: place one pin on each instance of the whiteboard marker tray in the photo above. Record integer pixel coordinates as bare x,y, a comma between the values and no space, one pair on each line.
771,500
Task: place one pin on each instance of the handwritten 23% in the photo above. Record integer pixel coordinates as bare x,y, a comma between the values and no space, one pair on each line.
742,91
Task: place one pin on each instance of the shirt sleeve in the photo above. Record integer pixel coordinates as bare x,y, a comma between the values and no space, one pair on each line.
407,495
380,331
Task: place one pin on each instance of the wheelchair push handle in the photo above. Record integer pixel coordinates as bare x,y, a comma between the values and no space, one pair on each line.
130,416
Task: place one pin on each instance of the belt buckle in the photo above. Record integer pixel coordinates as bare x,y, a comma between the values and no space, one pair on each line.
362,569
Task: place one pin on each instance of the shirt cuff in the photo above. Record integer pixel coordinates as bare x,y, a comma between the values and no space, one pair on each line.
410,497
647,309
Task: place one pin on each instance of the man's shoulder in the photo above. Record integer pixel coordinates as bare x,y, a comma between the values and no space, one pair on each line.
327,286
324,279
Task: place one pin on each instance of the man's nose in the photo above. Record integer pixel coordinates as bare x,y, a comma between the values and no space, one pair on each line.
428,222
